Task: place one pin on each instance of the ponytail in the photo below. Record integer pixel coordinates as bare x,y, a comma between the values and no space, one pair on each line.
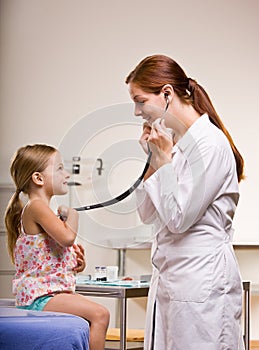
13,222
202,104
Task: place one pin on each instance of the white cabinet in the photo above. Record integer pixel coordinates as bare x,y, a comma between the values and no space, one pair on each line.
6,267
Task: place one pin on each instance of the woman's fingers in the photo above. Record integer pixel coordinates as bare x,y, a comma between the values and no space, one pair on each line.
144,137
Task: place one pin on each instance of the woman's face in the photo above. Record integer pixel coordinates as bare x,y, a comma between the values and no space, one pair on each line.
149,106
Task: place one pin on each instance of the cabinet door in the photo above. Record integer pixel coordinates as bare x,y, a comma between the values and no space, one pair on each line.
6,286
6,192
5,261
6,267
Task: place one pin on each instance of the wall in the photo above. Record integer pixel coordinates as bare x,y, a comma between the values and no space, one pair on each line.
63,59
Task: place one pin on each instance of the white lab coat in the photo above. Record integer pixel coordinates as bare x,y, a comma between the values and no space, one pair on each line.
196,285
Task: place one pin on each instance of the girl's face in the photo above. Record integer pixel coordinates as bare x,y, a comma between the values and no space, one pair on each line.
149,106
55,176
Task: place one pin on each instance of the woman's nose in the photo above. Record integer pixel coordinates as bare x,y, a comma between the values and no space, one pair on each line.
138,110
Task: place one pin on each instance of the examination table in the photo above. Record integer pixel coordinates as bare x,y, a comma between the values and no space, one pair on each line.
38,330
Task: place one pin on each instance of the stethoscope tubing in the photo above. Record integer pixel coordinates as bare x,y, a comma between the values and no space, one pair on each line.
123,195
132,188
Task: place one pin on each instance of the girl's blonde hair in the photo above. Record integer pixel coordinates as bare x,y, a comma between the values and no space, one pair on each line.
26,161
153,72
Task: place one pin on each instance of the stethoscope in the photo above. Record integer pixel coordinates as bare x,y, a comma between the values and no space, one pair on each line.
125,194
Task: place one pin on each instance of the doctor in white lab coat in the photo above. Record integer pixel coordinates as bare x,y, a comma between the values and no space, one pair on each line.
190,194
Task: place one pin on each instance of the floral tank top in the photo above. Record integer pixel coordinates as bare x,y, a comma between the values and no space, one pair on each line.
42,267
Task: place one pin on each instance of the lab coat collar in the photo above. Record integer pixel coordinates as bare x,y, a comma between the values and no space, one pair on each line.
193,133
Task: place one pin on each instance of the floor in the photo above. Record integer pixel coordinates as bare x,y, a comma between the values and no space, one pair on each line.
254,344
115,345
110,345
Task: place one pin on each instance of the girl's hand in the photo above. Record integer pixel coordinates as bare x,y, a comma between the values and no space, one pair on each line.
63,212
80,257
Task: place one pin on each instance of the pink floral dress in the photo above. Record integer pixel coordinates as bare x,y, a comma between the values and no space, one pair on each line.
42,267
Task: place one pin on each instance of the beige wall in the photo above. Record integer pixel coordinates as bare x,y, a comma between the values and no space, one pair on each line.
62,59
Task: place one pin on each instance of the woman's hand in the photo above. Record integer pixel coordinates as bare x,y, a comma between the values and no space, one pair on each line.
144,137
80,257
160,142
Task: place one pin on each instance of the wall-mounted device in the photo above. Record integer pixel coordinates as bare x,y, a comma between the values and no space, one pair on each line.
100,168
76,165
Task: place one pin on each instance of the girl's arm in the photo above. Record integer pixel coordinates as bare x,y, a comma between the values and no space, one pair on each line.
62,231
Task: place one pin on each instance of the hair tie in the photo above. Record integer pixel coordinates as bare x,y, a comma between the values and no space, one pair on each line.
18,191
190,85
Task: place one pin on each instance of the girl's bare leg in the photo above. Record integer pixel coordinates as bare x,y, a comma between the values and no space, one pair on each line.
79,305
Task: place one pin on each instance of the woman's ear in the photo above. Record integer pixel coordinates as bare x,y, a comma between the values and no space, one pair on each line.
168,92
37,178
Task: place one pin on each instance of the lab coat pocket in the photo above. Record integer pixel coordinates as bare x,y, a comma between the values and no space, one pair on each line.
189,274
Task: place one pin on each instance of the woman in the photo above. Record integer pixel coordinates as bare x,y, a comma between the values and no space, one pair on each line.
190,194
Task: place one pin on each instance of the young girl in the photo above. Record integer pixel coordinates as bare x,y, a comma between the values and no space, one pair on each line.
41,244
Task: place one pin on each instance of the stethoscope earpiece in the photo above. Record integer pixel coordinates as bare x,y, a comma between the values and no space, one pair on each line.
167,101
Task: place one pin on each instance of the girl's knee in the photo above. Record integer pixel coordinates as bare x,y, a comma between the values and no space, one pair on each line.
102,315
